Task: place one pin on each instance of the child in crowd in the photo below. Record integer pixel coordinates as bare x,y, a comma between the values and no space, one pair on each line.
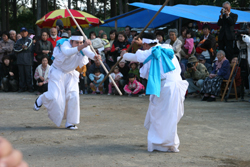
116,75
119,45
96,78
189,43
82,77
133,87
97,43
134,69
106,42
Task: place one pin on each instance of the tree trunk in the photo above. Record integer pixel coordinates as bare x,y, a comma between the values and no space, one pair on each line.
14,10
120,7
142,1
69,4
93,7
105,10
88,6
76,1
126,6
189,2
54,4
3,13
39,14
7,15
171,3
113,8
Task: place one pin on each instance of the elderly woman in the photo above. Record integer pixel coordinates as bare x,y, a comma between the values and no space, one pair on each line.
212,84
174,42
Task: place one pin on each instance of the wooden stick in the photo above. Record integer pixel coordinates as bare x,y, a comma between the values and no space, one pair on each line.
103,66
112,69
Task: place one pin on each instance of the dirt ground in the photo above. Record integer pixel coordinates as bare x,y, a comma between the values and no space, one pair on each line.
111,134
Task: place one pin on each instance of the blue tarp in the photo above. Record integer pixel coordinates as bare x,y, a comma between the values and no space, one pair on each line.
139,18
203,13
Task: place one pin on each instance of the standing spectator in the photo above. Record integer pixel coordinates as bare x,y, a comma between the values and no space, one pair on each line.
119,45
207,45
212,84
100,33
31,33
18,36
9,75
53,36
110,58
41,75
195,75
43,48
174,42
24,50
183,35
128,34
96,79
6,47
227,22
189,43
13,35
97,44
116,75
82,76
134,69
203,60
160,37
134,87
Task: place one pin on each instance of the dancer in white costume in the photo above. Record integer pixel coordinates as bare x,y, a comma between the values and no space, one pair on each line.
167,92
62,97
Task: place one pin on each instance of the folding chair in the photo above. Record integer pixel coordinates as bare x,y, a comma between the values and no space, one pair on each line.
227,84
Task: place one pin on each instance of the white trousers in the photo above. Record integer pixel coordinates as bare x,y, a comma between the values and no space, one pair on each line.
62,97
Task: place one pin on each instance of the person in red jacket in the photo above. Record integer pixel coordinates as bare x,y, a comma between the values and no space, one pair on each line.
119,45
53,36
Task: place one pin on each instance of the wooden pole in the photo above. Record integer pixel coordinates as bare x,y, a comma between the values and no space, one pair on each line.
112,69
84,36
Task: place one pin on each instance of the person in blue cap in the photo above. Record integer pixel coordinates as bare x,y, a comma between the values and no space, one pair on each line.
24,49
166,89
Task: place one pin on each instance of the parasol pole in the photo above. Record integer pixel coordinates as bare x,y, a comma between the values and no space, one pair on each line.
112,69
103,66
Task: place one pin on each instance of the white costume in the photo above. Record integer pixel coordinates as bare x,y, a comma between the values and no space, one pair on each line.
62,97
164,112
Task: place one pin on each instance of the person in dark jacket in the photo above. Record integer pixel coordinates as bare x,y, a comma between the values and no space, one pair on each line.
23,48
124,69
212,84
227,22
202,60
9,75
43,48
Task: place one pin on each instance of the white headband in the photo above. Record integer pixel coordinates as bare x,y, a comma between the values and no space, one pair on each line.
77,38
149,41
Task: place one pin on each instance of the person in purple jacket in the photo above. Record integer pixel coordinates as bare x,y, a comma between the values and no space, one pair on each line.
212,84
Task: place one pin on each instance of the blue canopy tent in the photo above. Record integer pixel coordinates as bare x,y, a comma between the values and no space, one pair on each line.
140,17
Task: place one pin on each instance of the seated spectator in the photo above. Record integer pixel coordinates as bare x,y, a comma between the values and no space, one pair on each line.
13,35
41,75
53,36
195,75
18,36
134,69
6,45
100,33
134,87
116,75
43,48
160,37
91,69
105,40
82,76
174,42
212,84
96,79
9,76
202,60
124,69
238,74
183,35
119,45
207,45
97,44
189,43
109,57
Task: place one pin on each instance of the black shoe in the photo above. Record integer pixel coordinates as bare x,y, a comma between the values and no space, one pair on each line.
21,90
205,98
210,99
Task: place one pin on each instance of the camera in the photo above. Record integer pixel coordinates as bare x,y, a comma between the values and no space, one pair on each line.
223,10
190,65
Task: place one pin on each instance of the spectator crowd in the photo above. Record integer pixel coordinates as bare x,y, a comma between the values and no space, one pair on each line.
25,59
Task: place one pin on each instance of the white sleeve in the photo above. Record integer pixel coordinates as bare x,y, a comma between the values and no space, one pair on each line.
88,52
67,50
246,39
130,57
120,74
140,56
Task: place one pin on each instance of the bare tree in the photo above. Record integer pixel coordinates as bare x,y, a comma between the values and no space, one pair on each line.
3,13
7,15
39,14
88,6
126,6
93,7
54,4
14,10
113,8
105,10
120,7
189,2
69,4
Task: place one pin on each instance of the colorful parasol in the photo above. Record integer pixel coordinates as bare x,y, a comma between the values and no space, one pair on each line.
83,19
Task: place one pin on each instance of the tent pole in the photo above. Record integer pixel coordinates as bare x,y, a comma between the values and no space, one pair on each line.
116,24
180,25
